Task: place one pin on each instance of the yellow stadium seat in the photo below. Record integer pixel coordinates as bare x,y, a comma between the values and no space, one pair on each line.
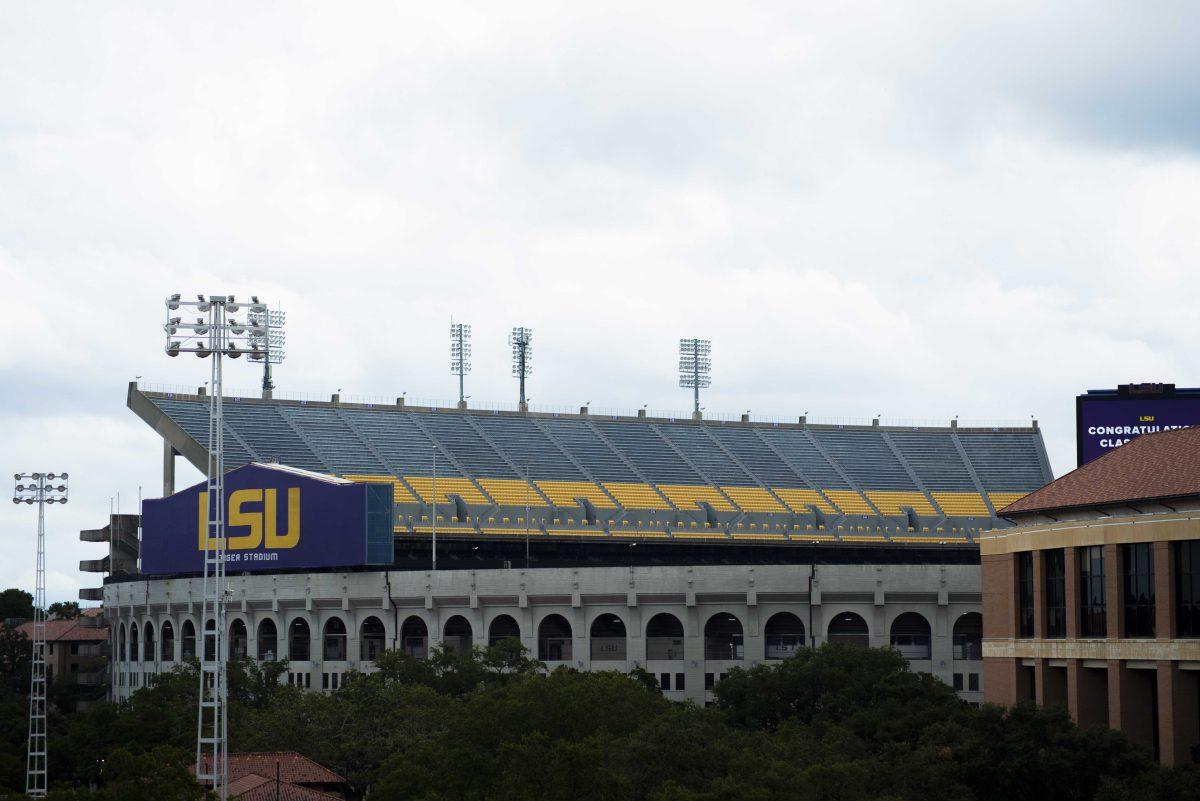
636,496
799,499
753,499
961,504
889,502
564,493
399,493
688,497
446,485
849,502
511,492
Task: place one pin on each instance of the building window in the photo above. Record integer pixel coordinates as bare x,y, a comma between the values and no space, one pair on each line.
958,684
679,684
1138,588
1025,594
709,681
1187,588
1091,592
973,682
1056,593
664,681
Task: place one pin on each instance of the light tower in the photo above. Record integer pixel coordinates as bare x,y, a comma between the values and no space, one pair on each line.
460,356
274,344
694,368
521,340
39,488
217,334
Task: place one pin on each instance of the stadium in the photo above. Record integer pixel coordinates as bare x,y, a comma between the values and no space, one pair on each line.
680,545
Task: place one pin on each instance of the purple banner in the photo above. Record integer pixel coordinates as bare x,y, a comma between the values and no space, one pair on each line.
1105,423
277,518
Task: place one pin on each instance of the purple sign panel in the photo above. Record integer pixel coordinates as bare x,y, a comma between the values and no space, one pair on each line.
276,518
1104,423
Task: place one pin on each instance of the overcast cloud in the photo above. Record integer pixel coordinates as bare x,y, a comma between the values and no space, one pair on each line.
914,211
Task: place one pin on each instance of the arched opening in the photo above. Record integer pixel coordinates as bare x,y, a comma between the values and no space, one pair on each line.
503,628
414,637
333,638
784,635
134,652
268,640
723,637
910,636
968,636
664,637
167,642
239,640
608,639
298,640
554,639
122,642
148,641
372,639
187,640
849,628
457,637
210,640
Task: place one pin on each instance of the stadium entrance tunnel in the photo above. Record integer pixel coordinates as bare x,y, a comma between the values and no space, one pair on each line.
554,639
911,636
849,628
414,637
457,637
503,628
784,635
723,638
664,638
608,641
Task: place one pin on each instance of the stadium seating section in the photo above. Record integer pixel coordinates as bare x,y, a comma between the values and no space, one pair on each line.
629,478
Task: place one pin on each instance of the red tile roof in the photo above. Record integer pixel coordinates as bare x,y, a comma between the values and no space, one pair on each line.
293,768
253,787
1152,467
66,631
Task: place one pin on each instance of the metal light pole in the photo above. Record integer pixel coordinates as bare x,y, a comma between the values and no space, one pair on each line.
273,344
460,357
217,334
39,488
694,368
521,340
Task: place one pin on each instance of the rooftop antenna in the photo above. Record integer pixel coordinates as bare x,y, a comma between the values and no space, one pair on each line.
460,356
39,488
521,340
694,368
274,344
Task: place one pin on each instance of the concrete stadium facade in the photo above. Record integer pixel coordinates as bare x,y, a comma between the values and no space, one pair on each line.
720,617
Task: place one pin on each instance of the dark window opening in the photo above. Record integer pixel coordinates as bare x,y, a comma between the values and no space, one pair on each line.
1187,588
1025,594
1138,589
1056,592
1092,621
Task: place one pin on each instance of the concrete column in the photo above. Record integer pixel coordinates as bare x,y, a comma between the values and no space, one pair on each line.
1000,681
999,572
693,651
1178,718
942,647
168,469
1164,590
635,636
1087,694
1071,591
1114,620
1050,684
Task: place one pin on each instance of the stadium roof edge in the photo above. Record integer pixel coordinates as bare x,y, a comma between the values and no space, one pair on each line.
138,402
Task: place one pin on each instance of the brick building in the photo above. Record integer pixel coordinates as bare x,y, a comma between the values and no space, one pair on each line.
76,649
1092,601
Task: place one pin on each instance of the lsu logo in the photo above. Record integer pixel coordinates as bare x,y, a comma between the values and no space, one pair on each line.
263,525
1146,418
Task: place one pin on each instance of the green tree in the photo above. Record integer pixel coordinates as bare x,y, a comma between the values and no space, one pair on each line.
64,610
15,604
15,654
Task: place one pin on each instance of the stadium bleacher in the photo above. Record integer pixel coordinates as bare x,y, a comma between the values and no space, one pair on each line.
627,477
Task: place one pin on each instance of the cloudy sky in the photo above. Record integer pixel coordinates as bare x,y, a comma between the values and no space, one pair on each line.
918,211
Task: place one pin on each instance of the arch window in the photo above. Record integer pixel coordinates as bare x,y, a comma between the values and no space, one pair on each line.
135,653
187,640
911,636
664,637
502,628
723,637
210,640
122,642
850,628
299,640
333,639
608,643
268,640
784,635
167,642
968,636
457,637
371,640
554,639
239,640
148,641
414,637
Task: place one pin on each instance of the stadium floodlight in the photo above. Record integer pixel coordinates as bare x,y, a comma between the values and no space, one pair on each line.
217,334
521,341
460,356
268,340
695,366
39,488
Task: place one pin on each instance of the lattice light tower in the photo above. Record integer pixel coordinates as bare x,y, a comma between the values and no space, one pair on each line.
695,367
460,357
521,340
274,344
39,488
217,334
